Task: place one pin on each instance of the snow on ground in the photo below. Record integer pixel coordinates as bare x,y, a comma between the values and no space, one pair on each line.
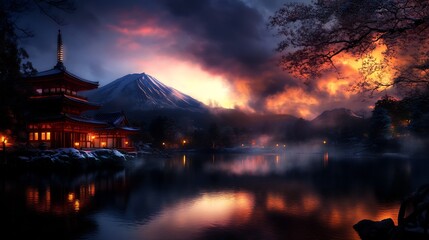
72,158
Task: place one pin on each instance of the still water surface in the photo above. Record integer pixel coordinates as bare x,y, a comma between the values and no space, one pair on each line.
194,196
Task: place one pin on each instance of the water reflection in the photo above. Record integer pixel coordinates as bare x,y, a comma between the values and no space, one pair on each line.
257,196
40,200
184,220
325,159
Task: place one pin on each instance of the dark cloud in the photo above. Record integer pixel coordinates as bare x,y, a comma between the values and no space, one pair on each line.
227,35
224,37
230,37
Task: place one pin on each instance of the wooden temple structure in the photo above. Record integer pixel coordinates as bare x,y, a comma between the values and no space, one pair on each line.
56,112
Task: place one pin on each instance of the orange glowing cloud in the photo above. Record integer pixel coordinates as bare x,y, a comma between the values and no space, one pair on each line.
336,88
333,89
293,101
372,67
158,49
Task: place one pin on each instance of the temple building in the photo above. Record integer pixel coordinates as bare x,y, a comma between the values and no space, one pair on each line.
56,117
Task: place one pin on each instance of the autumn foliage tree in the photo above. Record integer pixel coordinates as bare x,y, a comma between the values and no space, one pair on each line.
315,35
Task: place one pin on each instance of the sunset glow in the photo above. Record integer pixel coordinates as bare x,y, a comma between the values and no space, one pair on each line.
213,90
219,71
214,119
187,218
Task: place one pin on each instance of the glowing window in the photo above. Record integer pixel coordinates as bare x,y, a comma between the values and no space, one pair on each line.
31,136
48,136
36,136
43,136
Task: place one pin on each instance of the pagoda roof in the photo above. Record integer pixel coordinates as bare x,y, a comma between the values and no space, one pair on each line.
84,120
116,120
69,117
100,125
57,72
80,100
66,98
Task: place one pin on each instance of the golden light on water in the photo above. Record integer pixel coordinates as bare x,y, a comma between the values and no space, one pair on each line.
275,202
325,159
335,212
77,205
70,197
92,189
193,215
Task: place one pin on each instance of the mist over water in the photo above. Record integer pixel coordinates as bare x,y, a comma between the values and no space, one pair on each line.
293,195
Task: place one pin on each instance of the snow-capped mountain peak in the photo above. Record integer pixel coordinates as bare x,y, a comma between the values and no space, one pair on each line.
141,91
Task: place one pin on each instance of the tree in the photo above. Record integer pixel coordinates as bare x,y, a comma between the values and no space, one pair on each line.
13,63
316,35
380,128
162,130
12,92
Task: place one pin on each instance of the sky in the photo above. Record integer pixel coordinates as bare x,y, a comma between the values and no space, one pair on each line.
220,52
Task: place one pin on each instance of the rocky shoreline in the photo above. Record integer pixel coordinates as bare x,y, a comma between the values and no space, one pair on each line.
66,158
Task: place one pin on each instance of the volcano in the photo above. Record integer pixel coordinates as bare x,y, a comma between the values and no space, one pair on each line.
141,92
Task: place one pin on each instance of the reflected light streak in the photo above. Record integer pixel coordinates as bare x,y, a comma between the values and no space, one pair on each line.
77,205
70,197
257,165
325,159
250,165
275,202
187,218
332,211
45,201
92,189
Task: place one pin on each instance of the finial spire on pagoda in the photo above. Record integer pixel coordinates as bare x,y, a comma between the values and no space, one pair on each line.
60,52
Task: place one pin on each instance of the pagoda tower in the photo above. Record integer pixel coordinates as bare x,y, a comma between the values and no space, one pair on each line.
56,107
56,119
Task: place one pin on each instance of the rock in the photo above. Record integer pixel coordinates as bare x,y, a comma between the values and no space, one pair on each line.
375,230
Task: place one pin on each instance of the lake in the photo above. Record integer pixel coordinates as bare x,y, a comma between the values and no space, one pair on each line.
210,196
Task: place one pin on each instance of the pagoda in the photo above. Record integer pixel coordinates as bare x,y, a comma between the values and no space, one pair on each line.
56,119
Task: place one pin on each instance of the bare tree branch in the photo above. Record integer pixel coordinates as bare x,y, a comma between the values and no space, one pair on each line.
314,35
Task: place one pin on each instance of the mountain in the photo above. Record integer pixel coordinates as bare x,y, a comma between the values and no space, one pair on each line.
147,101
141,92
336,117
340,125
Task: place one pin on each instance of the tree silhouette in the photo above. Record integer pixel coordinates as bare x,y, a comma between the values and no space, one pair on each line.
315,35
13,63
162,129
